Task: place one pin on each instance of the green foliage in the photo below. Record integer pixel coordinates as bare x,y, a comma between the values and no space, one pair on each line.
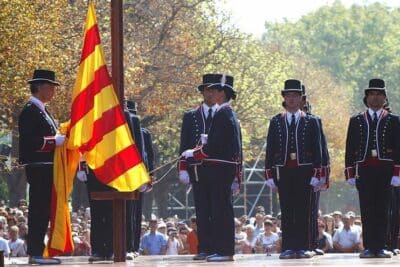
355,44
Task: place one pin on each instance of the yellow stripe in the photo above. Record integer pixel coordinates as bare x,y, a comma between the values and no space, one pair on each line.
131,179
112,143
81,132
90,17
87,69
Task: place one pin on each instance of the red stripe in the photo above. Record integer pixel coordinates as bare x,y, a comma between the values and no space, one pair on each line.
92,38
84,101
109,121
118,164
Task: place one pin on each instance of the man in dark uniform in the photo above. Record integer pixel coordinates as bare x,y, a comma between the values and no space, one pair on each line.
293,162
133,207
221,153
323,185
373,165
37,140
197,122
392,239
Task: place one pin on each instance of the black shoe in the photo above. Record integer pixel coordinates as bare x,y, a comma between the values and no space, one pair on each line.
219,258
367,254
201,256
302,254
39,260
396,251
96,257
319,252
287,254
382,253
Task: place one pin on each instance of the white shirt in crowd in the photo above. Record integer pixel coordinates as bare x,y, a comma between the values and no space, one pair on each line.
4,246
17,247
173,247
347,238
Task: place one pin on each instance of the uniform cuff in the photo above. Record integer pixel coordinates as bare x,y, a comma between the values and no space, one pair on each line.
199,155
316,172
49,144
268,174
182,165
396,170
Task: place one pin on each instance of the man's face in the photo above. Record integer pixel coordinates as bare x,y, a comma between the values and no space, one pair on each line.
293,100
375,99
46,92
208,94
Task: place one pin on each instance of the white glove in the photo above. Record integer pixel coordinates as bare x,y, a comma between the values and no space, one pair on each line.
322,181
270,183
235,187
81,175
314,181
60,139
204,138
351,181
184,177
395,181
188,153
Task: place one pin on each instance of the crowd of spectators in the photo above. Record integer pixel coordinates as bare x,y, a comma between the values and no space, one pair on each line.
171,236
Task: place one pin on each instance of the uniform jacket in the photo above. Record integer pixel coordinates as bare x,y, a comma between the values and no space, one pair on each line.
224,144
36,135
387,140
134,127
148,149
193,124
308,140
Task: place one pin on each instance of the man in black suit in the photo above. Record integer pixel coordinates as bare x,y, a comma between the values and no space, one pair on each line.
323,185
197,122
38,138
373,166
292,163
221,154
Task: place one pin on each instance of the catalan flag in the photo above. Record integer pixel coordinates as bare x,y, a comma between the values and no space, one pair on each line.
98,126
98,130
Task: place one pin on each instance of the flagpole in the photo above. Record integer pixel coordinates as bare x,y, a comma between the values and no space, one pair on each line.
117,48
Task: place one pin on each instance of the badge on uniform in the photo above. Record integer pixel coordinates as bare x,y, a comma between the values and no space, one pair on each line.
292,156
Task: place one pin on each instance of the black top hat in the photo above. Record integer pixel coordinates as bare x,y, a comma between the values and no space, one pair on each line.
292,85
377,85
303,90
44,76
219,81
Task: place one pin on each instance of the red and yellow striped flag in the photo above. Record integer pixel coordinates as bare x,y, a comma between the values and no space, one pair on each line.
98,126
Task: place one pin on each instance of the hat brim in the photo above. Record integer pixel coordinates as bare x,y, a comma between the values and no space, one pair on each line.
202,86
374,89
44,80
291,90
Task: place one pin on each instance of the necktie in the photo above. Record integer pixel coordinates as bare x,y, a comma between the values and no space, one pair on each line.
208,120
293,120
375,119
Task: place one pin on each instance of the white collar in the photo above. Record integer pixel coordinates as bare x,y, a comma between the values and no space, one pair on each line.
37,102
226,104
206,108
378,112
296,115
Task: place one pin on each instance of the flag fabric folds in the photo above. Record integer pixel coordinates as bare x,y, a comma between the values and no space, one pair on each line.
98,130
98,126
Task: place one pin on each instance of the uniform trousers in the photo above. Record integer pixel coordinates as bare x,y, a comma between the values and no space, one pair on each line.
295,201
314,204
40,179
374,192
134,221
101,224
394,219
214,196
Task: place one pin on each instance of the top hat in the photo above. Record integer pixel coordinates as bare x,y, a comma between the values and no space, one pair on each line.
44,76
292,85
218,81
376,85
